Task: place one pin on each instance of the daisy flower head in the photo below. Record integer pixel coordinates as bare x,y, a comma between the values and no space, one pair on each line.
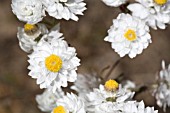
47,100
64,9
102,96
114,3
162,92
69,104
156,13
29,11
53,63
128,35
28,35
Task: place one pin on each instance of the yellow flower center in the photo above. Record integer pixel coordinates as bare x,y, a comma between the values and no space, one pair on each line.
30,29
59,109
130,35
53,63
161,2
111,85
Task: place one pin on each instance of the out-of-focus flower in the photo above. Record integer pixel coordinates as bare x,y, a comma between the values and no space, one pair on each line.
114,3
85,84
27,36
162,92
102,96
156,13
128,85
64,9
53,63
128,35
30,11
69,104
47,100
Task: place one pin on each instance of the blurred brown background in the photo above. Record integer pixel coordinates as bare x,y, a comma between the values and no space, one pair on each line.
18,90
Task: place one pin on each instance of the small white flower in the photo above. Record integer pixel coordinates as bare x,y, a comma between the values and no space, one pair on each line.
69,104
162,92
27,36
30,11
156,13
128,35
53,62
101,96
85,84
47,100
64,9
114,3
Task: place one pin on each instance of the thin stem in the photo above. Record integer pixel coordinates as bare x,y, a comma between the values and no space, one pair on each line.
112,68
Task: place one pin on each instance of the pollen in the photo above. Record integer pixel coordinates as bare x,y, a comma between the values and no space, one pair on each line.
130,35
59,109
53,63
111,85
30,29
161,2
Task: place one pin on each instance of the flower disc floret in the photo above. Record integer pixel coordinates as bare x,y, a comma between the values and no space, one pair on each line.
59,109
130,35
160,2
30,29
111,85
53,63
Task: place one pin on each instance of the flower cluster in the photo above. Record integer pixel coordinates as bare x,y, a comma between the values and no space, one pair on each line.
53,63
108,98
129,34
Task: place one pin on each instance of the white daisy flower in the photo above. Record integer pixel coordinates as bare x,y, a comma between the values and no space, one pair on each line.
124,107
30,11
106,94
27,36
156,13
65,9
53,62
114,3
128,35
85,84
47,100
162,92
69,104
